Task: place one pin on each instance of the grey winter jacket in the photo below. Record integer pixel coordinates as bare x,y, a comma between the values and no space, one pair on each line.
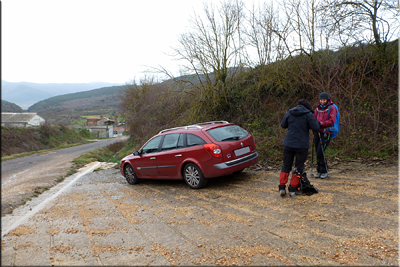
299,120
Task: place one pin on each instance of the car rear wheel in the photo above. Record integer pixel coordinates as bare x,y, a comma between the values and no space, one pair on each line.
194,177
130,175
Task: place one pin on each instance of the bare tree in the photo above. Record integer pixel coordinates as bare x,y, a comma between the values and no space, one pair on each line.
302,17
260,38
352,18
150,106
213,45
290,29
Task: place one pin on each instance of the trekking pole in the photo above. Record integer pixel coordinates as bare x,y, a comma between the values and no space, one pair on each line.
323,153
312,156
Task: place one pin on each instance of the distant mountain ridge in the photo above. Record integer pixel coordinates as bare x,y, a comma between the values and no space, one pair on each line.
71,108
25,94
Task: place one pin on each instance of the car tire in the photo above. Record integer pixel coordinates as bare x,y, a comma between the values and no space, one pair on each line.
193,176
130,174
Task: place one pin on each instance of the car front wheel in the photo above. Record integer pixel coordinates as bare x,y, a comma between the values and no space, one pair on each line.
130,175
194,177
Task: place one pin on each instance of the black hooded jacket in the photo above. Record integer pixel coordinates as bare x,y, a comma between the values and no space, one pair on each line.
299,120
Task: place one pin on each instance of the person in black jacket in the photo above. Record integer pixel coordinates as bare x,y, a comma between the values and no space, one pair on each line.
298,120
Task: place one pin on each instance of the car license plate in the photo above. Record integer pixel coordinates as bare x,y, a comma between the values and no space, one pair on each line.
242,151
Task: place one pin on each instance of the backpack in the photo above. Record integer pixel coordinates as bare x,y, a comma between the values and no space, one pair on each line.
335,128
305,186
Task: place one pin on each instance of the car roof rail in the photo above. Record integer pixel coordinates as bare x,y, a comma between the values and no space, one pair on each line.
211,122
181,127
197,125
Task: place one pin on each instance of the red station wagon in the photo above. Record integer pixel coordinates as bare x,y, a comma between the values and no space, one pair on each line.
194,152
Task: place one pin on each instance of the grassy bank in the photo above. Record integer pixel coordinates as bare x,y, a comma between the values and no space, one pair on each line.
112,153
20,155
26,141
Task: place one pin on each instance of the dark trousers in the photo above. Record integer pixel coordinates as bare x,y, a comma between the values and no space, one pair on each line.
289,154
322,163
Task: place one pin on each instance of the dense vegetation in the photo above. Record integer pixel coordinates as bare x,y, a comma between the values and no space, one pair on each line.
361,80
10,107
250,65
19,140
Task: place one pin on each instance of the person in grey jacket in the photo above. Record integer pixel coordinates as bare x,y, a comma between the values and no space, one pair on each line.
298,120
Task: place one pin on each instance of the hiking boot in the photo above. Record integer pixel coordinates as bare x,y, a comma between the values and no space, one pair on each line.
294,191
298,191
318,175
324,175
282,190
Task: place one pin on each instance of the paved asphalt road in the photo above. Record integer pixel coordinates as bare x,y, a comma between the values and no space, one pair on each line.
99,219
20,176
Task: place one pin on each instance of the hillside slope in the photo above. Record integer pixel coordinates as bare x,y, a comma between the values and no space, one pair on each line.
65,109
10,107
361,80
26,94
75,100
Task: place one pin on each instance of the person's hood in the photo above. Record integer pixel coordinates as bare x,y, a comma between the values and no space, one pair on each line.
299,110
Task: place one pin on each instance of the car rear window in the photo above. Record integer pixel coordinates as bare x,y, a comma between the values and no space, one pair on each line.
228,133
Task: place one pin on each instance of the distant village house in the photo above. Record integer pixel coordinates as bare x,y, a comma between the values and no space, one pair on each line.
103,127
92,121
119,130
98,121
27,119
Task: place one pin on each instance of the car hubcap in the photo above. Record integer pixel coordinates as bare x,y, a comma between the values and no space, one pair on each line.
192,176
129,174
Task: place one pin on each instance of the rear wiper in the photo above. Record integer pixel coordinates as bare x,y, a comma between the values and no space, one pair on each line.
231,138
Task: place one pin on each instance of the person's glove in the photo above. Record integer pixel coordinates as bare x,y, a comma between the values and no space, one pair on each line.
323,124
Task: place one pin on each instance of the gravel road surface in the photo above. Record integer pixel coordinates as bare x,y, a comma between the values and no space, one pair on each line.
20,176
236,220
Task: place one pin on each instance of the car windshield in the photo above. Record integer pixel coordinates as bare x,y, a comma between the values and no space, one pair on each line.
228,133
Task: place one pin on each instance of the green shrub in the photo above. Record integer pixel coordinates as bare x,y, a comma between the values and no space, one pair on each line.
21,140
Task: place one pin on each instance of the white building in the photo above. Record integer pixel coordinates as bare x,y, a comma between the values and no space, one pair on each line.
21,119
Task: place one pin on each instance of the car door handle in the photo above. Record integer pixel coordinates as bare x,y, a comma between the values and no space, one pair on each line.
179,155
153,158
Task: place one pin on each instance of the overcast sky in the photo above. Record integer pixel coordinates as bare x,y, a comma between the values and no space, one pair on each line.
81,41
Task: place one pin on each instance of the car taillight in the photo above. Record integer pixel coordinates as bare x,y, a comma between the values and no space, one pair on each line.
214,150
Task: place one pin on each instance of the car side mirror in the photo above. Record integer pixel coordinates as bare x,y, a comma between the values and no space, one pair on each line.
136,153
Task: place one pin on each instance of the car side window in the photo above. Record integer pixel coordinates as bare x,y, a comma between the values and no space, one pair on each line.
194,140
152,145
170,142
180,141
